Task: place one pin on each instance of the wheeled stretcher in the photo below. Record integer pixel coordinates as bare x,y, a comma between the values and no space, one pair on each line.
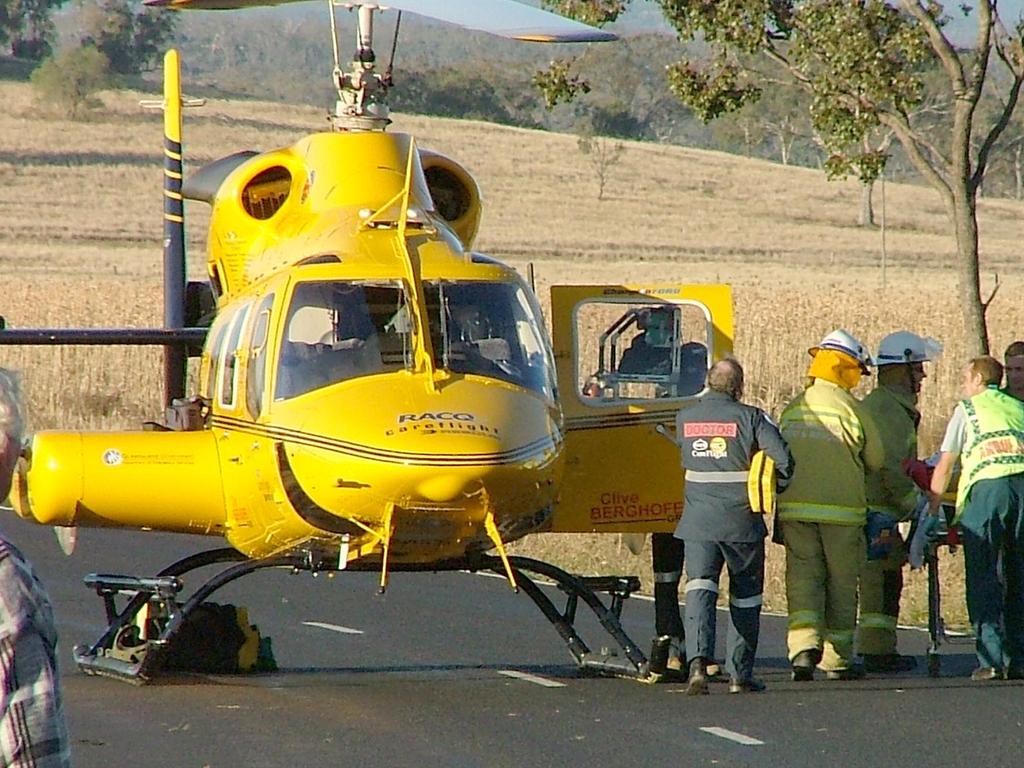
945,535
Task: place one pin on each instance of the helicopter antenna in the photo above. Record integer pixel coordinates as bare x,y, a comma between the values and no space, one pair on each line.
394,47
362,92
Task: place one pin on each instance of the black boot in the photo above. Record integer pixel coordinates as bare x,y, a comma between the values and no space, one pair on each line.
660,648
698,685
804,664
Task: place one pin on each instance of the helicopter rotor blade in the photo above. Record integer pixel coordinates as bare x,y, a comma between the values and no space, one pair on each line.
504,18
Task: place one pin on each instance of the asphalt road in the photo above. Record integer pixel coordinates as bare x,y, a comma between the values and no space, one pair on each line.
430,674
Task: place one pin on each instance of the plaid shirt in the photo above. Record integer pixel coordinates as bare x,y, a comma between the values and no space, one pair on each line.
33,733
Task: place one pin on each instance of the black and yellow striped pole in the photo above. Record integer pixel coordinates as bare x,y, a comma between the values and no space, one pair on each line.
175,357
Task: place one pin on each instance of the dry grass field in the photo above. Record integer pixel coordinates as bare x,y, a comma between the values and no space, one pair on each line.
80,232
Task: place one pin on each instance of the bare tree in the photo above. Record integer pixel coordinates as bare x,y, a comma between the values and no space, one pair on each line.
603,154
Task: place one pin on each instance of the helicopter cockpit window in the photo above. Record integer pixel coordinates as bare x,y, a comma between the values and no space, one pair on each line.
641,351
339,330
489,329
254,379
266,192
218,332
229,357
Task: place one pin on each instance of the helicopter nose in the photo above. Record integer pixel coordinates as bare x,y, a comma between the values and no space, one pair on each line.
443,487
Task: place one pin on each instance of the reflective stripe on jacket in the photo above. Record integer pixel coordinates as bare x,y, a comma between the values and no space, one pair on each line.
834,442
894,413
994,445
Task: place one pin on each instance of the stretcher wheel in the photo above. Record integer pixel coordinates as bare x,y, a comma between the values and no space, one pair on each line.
934,665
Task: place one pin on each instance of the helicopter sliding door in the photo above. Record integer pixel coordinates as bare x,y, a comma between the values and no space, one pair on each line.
628,358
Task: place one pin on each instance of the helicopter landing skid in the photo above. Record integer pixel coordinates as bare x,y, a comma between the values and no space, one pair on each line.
132,646
632,664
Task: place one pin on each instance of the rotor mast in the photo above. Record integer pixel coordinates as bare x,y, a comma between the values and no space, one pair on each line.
362,91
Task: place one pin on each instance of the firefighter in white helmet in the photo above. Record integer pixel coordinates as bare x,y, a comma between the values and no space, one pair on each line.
822,513
892,495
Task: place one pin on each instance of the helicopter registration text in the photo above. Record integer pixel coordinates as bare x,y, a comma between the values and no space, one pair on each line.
615,506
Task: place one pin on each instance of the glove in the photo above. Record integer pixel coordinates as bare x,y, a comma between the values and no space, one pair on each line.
880,532
926,525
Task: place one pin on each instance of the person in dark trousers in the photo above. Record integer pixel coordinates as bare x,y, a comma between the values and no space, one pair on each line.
986,436
668,652
719,437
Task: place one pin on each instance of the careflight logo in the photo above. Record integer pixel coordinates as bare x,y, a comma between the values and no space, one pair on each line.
440,422
715,448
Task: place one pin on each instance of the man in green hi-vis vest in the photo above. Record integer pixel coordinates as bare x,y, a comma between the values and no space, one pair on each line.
986,433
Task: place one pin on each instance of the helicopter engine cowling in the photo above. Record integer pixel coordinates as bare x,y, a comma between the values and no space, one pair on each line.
455,194
168,481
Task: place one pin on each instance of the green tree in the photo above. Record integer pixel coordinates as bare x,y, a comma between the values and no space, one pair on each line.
866,64
26,26
69,81
133,39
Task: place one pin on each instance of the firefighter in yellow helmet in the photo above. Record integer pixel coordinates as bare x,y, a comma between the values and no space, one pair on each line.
891,495
822,513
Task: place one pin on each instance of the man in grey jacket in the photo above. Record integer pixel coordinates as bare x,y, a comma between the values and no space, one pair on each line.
719,437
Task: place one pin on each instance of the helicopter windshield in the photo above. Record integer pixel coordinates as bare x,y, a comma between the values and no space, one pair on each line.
339,330
489,329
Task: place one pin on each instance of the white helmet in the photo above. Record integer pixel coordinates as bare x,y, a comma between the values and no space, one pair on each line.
906,347
843,341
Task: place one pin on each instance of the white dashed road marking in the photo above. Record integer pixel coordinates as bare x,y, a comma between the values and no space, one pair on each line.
333,627
739,738
531,678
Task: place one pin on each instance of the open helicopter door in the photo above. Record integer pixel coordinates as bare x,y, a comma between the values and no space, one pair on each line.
628,357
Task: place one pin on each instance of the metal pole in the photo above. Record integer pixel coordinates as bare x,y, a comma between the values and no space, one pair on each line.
885,257
175,358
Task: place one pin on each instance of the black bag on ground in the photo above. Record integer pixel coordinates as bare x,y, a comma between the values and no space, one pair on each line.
209,640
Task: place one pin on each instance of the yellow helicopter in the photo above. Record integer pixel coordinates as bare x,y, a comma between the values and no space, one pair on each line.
373,393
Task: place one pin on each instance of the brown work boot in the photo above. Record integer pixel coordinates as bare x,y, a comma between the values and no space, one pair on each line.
987,674
698,685
750,685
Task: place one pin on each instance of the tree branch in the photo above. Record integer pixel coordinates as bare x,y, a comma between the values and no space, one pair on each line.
942,47
992,294
997,129
775,55
1001,38
982,48
910,140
